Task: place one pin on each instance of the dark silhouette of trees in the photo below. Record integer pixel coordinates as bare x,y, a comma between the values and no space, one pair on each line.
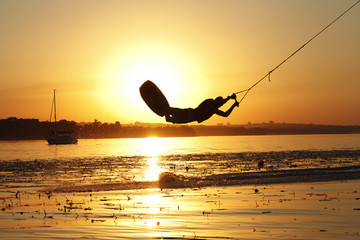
13,128
100,130
31,129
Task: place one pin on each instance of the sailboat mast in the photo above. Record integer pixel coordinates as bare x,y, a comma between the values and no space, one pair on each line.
54,106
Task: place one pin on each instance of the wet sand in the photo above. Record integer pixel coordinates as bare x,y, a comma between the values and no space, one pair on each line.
312,210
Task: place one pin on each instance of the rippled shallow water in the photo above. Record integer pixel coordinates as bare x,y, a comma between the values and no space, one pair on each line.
34,163
124,170
108,189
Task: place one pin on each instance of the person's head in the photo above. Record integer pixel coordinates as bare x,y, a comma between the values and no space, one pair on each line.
219,101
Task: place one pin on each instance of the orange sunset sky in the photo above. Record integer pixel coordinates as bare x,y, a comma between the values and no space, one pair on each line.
96,54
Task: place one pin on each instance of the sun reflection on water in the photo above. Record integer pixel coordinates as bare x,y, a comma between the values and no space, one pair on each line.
153,170
153,148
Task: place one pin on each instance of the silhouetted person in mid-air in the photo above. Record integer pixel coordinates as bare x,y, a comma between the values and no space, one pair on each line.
203,112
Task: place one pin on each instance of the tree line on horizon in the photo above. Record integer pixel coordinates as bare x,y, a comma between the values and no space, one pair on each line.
32,129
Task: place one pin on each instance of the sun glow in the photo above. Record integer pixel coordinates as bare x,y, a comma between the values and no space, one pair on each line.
123,75
163,73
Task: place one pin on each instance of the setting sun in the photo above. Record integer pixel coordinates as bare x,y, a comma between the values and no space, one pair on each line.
163,72
122,77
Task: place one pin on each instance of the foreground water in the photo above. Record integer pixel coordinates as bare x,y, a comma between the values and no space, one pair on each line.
210,188
118,163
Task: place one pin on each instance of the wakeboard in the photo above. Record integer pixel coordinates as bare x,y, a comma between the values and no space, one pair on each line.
154,98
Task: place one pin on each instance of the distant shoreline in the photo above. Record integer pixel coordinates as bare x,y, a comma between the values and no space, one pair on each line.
32,129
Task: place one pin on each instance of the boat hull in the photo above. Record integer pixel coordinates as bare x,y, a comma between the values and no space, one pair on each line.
62,140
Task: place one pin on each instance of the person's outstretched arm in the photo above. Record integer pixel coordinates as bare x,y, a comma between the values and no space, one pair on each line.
228,112
233,96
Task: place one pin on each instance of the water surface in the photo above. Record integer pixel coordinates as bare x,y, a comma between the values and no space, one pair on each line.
108,189
31,150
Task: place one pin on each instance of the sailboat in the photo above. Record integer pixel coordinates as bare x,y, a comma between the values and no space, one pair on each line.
56,137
